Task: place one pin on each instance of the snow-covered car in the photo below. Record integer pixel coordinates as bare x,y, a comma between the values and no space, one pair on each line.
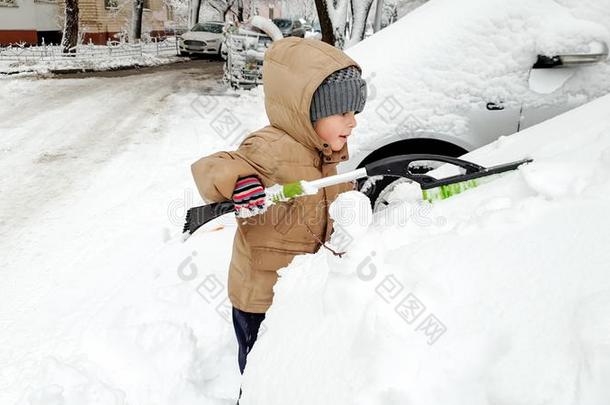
289,27
244,51
447,85
203,38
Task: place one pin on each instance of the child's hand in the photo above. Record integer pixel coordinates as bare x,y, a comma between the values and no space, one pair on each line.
249,197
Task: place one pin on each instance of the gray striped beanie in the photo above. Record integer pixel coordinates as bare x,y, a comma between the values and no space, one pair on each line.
342,91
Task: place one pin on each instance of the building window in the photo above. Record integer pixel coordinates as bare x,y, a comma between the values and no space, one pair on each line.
8,3
115,3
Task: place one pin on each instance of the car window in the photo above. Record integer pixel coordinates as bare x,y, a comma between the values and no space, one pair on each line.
206,27
265,41
282,23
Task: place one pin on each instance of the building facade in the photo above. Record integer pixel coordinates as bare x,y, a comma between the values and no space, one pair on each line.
35,21
28,21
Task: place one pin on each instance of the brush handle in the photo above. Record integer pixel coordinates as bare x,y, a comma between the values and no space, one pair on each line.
338,178
395,166
196,217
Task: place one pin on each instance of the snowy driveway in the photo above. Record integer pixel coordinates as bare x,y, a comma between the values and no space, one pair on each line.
57,132
96,180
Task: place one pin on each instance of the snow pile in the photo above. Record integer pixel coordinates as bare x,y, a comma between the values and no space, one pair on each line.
352,213
499,295
434,68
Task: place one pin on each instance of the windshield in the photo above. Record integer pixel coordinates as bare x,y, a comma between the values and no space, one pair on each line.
282,23
207,27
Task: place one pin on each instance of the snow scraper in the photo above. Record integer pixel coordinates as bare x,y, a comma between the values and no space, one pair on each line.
395,166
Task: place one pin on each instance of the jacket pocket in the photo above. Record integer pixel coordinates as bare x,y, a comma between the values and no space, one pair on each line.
271,259
288,216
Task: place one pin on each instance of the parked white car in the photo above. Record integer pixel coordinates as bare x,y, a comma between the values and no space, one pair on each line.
445,85
204,38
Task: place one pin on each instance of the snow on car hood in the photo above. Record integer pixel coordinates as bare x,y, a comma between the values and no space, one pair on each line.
428,69
498,295
200,35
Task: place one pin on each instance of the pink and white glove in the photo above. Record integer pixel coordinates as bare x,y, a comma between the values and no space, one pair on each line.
249,197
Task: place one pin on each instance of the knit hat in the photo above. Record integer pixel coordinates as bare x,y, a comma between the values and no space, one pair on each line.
342,91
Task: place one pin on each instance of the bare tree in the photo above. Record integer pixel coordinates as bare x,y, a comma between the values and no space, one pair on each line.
136,20
70,35
240,10
395,9
326,24
194,9
179,11
360,12
343,22
300,8
223,7
197,11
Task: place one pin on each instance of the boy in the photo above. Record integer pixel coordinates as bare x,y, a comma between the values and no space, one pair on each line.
312,92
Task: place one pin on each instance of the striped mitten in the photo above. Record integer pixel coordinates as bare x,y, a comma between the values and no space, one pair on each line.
249,197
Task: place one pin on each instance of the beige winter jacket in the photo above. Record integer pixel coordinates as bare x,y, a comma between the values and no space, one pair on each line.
287,150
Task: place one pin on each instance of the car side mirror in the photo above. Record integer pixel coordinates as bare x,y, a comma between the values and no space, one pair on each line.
550,73
567,60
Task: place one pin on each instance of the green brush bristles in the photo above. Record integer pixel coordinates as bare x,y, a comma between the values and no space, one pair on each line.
292,190
443,192
287,192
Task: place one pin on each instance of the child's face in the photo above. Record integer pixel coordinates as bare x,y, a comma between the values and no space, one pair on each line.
335,129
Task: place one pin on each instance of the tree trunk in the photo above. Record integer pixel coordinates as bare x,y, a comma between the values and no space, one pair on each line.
136,25
228,7
326,24
360,12
378,14
70,35
240,10
197,11
193,12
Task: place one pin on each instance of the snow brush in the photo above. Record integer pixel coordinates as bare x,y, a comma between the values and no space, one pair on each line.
395,166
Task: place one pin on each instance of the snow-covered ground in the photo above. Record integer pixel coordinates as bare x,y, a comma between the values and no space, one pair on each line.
98,301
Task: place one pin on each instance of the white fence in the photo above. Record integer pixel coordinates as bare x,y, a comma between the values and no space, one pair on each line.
20,53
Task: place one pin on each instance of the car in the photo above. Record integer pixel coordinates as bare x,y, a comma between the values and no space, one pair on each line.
202,39
495,71
290,27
